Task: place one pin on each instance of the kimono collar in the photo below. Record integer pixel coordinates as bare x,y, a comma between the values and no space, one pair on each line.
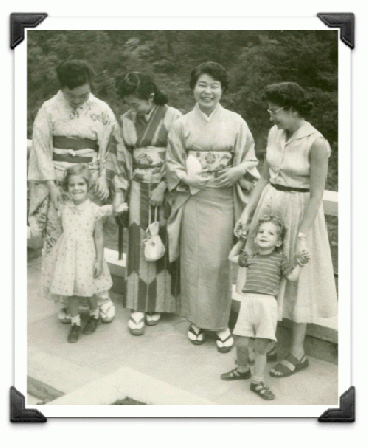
61,97
305,130
133,116
207,117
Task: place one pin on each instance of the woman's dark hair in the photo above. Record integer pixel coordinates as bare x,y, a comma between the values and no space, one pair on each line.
77,170
289,95
74,73
141,86
213,69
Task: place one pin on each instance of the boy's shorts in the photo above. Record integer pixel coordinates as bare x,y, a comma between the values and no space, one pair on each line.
257,316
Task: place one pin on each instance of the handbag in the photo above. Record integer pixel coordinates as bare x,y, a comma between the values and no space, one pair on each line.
154,248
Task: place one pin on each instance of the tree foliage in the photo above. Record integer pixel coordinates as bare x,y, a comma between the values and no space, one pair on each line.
253,58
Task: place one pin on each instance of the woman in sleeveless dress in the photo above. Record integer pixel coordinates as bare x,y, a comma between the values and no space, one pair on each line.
291,186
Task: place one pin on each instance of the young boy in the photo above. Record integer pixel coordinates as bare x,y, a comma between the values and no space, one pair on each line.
258,312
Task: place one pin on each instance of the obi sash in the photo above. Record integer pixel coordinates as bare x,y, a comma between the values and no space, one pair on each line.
74,150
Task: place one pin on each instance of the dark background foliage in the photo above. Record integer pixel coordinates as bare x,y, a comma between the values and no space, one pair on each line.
253,60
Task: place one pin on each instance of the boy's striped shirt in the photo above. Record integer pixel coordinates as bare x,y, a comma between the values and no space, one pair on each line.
264,272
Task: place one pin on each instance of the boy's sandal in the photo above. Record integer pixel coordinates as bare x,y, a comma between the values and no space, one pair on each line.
261,390
153,318
196,338
236,375
225,345
136,326
289,366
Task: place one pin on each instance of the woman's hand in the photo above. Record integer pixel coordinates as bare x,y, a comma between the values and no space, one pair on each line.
101,190
229,177
302,252
195,181
158,195
56,195
97,268
242,226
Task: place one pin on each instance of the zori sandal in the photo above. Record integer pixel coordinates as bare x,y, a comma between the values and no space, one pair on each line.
224,345
153,318
195,337
289,366
262,391
136,325
235,374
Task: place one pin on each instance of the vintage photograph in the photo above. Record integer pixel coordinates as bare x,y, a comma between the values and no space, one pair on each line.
182,217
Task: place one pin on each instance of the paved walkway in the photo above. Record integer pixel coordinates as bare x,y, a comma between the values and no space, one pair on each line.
162,353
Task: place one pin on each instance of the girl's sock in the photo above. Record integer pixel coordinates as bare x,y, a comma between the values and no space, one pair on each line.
94,313
76,320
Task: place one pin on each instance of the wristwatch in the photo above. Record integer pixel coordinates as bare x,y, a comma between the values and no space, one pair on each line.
302,235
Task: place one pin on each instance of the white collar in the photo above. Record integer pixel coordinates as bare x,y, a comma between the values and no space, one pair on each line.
205,116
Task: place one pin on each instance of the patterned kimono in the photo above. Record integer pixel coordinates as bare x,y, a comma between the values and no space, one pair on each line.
63,137
151,286
202,220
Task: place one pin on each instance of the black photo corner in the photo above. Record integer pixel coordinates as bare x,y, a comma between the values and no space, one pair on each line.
346,412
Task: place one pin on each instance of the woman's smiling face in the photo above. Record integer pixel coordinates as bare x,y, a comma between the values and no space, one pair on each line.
207,93
282,117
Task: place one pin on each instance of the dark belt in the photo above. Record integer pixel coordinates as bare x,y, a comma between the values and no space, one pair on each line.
71,159
284,188
61,142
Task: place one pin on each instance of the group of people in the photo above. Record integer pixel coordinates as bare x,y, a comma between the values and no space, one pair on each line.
196,174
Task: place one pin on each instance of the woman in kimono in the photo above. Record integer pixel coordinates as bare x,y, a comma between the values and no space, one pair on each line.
151,286
291,186
72,127
210,166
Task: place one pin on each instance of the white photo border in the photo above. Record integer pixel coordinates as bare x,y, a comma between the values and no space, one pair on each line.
344,228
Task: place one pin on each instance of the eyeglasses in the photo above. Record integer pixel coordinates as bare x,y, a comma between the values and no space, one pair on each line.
274,111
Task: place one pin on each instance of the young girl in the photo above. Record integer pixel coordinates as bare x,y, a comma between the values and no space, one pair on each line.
258,312
77,267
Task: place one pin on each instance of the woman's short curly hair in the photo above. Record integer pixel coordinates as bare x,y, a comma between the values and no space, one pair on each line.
213,69
275,220
289,95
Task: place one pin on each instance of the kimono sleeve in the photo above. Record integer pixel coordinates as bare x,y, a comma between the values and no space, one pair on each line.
244,150
123,161
175,156
171,116
102,211
40,166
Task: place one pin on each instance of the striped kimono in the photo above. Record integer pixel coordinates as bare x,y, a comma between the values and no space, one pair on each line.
150,286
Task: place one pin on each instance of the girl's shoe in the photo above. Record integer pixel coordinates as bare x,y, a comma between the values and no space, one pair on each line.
136,324
152,318
224,341
235,374
74,333
91,325
196,335
63,316
262,391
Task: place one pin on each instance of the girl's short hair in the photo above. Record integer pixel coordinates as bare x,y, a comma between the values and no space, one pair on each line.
140,85
213,69
74,73
289,95
276,221
77,170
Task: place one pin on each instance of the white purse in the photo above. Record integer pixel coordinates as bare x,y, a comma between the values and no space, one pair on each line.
154,248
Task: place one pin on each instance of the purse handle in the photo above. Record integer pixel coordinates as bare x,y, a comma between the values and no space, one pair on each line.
150,214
